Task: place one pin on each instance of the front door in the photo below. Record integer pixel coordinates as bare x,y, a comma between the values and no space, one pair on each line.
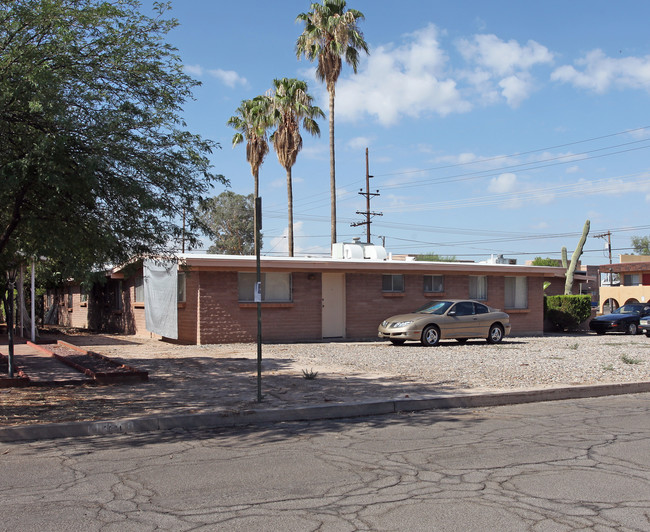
333,305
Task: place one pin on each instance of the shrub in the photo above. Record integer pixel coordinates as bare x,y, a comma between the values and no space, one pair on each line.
566,313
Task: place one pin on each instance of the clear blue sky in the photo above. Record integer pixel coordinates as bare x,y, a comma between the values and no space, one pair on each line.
492,127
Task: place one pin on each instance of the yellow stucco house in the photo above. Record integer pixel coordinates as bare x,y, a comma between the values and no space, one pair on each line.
625,282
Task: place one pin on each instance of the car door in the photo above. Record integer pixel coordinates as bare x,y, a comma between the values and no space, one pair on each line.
463,323
483,319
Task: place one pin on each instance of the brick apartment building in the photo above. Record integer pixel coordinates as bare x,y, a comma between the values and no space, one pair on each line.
303,299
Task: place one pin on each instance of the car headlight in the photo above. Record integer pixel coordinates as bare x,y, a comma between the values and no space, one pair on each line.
384,323
401,324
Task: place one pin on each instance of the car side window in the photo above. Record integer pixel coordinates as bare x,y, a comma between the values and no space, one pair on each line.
480,309
464,308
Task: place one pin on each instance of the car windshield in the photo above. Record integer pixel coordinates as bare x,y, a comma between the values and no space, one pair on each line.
435,307
629,309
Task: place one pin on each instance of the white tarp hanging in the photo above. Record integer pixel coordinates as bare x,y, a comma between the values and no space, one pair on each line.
160,298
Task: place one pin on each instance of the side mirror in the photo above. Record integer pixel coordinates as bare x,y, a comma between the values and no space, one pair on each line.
451,313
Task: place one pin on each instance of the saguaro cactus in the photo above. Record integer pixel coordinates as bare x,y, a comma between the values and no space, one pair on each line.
574,259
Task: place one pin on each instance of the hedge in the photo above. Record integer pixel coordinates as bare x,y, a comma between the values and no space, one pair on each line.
566,313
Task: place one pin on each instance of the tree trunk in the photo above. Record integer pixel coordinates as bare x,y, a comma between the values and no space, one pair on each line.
332,170
290,208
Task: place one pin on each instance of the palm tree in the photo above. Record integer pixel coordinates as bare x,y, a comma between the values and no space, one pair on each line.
251,122
330,33
291,103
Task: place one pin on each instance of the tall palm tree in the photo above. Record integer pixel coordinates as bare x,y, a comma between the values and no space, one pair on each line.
330,33
291,104
251,122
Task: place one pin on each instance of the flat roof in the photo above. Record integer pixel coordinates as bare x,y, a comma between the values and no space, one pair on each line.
328,264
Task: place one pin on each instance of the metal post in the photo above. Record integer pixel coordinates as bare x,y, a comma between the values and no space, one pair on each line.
33,302
258,227
11,281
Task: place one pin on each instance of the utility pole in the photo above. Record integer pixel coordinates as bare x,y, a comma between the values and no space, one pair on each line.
367,213
608,234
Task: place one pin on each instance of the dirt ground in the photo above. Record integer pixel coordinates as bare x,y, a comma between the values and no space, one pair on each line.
194,379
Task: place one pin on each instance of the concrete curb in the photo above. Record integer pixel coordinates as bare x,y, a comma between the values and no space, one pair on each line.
219,419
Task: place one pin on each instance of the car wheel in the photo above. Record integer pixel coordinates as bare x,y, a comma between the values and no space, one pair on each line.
430,335
496,334
397,342
461,341
647,334
631,328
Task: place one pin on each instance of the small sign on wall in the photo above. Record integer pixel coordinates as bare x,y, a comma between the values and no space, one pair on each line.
258,292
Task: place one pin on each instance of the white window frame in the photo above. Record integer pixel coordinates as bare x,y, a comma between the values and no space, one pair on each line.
478,287
432,286
515,292
277,287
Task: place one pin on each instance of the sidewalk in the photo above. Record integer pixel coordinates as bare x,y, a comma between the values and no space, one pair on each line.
196,388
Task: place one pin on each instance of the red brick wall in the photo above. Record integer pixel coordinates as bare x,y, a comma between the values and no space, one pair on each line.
222,318
367,305
213,314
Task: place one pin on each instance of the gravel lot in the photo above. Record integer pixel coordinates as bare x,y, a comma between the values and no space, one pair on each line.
188,379
515,363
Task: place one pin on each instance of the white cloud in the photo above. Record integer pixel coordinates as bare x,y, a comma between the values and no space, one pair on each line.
516,88
573,169
405,80
193,70
280,244
503,184
503,58
598,73
229,77
502,68
358,143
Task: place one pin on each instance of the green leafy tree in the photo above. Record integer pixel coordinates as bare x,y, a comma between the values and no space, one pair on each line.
291,104
641,245
330,33
95,164
539,261
229,221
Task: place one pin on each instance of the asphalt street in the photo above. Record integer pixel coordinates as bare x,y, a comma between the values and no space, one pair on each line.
563,465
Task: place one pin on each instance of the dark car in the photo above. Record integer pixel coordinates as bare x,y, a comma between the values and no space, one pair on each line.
623,319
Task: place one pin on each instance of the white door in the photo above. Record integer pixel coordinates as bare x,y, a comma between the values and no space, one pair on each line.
333,305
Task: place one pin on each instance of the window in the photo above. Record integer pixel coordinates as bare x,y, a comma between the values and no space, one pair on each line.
478,287
392,283
631,279
434,283
516,292
276,287
180,294
464,308
139,289
70,298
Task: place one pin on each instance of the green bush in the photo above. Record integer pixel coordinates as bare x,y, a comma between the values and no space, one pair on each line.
566,313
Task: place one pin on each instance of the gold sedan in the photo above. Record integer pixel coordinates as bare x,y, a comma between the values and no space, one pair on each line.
452,318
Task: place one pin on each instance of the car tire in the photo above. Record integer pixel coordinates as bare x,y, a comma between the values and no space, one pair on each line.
631,329
495,334
397,342
461,341
430,336
647,334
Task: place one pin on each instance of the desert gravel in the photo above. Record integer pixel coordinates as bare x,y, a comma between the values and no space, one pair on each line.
192,379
